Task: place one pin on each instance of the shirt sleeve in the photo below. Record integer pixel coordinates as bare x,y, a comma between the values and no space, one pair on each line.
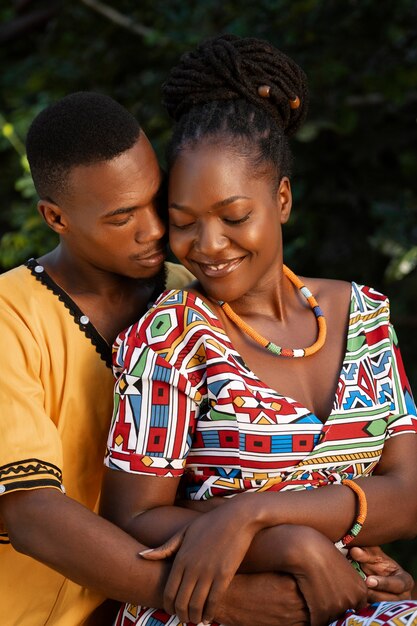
155,408
403,416
30,447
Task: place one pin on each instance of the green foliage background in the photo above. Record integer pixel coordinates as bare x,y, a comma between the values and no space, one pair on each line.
355,208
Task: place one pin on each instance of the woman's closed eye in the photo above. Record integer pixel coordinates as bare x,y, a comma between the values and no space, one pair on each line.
227,220
182,226
235,221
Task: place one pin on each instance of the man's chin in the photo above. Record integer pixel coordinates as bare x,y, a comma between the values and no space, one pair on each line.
151,276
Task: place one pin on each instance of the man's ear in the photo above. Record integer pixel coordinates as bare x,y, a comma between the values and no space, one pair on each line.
284,198
53,215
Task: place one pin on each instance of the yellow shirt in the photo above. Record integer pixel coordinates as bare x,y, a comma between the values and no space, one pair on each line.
56,398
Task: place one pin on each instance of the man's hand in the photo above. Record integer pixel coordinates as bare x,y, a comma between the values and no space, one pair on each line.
328,582
386,579
264,600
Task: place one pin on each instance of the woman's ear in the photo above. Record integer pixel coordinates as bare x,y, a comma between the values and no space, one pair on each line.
284,198
53,216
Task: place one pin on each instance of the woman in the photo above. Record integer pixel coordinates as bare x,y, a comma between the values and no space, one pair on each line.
203,396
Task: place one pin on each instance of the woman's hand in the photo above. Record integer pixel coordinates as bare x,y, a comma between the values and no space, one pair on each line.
209,553
386,579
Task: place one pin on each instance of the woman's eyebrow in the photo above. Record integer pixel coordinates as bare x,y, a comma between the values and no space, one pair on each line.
216,205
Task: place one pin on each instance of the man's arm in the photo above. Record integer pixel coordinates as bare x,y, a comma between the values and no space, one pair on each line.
91,551
84,547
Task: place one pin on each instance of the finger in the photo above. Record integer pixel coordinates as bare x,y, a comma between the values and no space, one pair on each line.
198,600
380,596
365,555
166,550
171,589
183,600
395,585
218,589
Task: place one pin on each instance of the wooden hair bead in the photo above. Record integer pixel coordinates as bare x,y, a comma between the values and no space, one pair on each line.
295,103
264,91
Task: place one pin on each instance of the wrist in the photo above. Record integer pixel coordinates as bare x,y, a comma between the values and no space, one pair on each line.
249,512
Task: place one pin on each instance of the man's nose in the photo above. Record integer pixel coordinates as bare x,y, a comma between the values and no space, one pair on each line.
151,227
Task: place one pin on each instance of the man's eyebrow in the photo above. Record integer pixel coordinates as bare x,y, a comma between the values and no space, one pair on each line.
216,205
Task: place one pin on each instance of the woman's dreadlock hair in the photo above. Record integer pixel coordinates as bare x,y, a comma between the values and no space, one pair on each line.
242,91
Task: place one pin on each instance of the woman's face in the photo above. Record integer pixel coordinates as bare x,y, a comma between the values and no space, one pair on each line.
225,221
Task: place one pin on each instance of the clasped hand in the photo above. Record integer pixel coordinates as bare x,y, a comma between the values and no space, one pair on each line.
209,552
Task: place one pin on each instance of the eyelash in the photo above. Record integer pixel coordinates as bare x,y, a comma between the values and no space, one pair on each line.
121,223
239,221
227,221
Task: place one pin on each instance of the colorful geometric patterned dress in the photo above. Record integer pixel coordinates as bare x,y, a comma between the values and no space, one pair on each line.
187,405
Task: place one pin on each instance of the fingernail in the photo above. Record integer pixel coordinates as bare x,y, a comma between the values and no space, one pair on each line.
146,551
371,581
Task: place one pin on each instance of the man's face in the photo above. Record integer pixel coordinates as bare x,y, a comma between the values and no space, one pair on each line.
111,211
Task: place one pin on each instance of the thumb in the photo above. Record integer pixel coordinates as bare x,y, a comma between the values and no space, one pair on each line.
166,550
360,554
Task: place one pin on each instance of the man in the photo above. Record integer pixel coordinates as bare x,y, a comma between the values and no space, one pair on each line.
99,186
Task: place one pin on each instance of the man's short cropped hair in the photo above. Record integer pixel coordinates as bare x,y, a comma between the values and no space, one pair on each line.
82,128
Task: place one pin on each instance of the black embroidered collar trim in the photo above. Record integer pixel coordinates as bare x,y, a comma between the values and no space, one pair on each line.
83,322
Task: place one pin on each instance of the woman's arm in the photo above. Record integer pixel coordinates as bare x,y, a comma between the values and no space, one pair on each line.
302,552
391,496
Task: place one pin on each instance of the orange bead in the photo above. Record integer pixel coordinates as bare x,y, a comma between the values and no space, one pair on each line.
295,103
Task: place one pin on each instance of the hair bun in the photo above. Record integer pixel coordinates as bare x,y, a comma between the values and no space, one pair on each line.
229,68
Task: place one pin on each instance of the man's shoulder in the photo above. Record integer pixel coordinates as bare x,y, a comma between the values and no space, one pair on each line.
17,279
177,276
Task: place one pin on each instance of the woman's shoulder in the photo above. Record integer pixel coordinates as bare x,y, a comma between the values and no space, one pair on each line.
181,301
336,293
177,315
174,331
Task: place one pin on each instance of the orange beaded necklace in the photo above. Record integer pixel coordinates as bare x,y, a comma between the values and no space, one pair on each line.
269,345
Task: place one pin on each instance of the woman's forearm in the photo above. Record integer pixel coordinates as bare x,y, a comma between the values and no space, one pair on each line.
332,510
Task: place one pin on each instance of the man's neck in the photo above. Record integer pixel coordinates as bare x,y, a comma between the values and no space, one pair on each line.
112,302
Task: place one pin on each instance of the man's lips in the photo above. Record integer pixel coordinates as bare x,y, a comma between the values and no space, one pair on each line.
220,268
155,257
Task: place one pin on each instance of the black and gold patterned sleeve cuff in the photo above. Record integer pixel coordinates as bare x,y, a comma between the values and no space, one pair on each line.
29,474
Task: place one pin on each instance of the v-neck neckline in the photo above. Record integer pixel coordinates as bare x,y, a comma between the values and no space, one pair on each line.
83,322
248,371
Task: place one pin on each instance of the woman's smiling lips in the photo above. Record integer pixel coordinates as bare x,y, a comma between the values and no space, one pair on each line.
218,269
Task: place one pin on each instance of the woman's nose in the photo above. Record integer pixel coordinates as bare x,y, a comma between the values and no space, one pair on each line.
210,239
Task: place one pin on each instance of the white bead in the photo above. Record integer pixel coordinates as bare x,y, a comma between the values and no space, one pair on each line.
39,269
298,352
84,319
2,488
